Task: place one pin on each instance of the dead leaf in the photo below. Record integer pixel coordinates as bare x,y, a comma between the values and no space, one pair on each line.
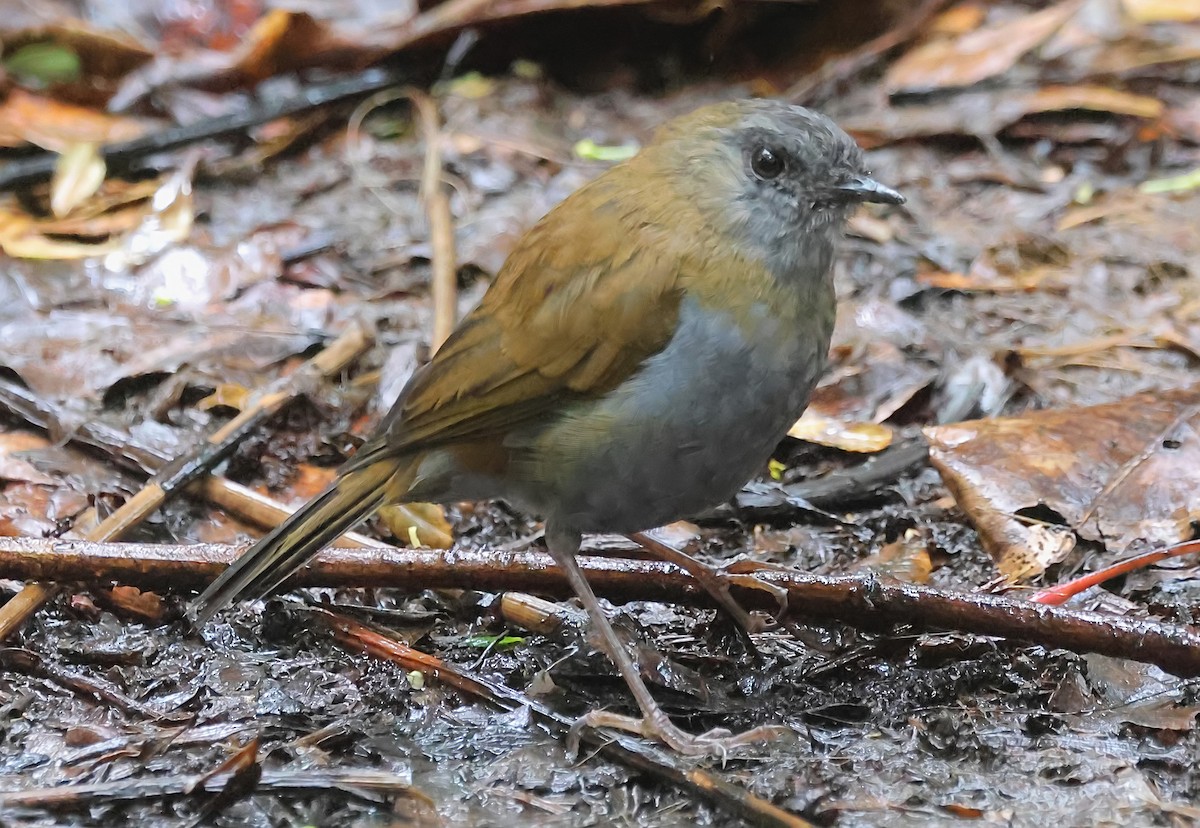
148,221
420,524
127,601
78,174
23,508
905,559
226,395
1093,99
77,355
870,226
1120,474
977,55
681,534
1161,11
13,468
959,19
22,238
104,56
168,221
865,438
1139,694
868,382
989,113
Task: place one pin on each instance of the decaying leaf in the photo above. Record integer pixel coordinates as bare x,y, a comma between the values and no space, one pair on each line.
77,176
140,225
847,436
1159,11
977,55
26,118
1120,475
868,383
990,112
905,559
420,524
15,468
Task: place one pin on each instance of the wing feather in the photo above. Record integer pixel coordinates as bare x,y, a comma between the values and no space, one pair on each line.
568,317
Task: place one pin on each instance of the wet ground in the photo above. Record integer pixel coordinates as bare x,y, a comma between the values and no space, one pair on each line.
892,728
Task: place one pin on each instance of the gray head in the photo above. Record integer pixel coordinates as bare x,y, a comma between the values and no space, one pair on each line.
768,174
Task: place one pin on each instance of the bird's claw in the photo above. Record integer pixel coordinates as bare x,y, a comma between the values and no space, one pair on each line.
716,742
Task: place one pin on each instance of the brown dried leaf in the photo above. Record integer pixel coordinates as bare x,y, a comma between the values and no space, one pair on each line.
145,607
26,118
1159,11
858,437
105,56
16,469
1119,474
988,113
959,19
421,524
78,174
22,238
905,559
869,382
977,55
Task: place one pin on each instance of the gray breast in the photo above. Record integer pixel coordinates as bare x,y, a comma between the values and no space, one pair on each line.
681,435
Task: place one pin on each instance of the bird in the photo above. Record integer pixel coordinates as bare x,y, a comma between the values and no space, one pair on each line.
638,357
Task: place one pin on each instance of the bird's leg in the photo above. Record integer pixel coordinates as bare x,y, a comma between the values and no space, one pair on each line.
655,723
716,583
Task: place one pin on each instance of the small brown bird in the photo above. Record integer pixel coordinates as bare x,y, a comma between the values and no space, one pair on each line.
640,354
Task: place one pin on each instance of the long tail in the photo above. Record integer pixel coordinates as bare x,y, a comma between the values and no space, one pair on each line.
264,566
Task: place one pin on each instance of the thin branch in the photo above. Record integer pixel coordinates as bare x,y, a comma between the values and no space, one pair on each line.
440,220
123,156
366,783
862,601
31,663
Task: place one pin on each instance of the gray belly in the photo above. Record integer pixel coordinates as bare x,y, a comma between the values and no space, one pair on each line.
684,434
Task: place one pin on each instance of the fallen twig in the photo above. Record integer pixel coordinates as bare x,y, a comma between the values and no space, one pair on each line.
29,662
444,285
852,485
365,783
123,156
862,601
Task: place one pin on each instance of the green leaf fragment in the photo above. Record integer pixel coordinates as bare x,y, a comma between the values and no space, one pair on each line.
45,63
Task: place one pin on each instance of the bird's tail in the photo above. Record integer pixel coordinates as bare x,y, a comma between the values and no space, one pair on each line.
347,500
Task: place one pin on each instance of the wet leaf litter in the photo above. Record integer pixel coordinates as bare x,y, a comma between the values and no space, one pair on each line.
1045,261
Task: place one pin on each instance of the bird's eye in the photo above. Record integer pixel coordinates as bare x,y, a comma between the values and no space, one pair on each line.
766,163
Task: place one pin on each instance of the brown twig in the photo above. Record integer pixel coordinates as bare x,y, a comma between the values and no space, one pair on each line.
858,600
29,662
618,748
124,156
176,475
434,198
444,286
365,782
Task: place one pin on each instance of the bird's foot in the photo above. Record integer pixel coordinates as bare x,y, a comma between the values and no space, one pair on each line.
716,742
716,583
741,573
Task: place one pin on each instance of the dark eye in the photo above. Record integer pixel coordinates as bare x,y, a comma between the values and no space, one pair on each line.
766,163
